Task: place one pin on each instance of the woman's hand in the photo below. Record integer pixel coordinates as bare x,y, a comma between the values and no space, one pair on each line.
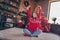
39,7
28,7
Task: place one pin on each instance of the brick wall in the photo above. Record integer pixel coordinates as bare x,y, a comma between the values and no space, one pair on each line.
44,5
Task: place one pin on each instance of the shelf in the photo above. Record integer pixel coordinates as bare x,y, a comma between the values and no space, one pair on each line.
7,10
8,4
18,2
12,9
2,0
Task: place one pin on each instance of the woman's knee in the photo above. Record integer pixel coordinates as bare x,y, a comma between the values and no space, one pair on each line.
24,30
39,31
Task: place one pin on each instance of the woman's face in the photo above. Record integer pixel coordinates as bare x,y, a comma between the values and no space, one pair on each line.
34,15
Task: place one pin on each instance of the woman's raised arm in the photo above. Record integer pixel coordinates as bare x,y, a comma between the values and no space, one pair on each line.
28,12
40,11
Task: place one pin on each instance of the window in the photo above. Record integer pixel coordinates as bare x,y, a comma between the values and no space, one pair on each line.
55,12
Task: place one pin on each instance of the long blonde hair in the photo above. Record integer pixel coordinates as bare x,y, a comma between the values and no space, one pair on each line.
37,8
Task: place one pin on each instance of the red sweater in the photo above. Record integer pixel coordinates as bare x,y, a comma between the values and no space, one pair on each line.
34,24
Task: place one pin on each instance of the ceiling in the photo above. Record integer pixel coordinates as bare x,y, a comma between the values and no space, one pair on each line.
53,0
44,0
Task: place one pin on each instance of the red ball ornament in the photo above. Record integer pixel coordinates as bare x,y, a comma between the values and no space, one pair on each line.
26,3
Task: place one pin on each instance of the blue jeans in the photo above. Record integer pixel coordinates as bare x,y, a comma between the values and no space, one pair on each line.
36,33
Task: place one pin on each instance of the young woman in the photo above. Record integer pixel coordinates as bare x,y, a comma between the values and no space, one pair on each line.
34,27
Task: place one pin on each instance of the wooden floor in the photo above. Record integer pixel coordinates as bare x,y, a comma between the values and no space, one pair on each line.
17,34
